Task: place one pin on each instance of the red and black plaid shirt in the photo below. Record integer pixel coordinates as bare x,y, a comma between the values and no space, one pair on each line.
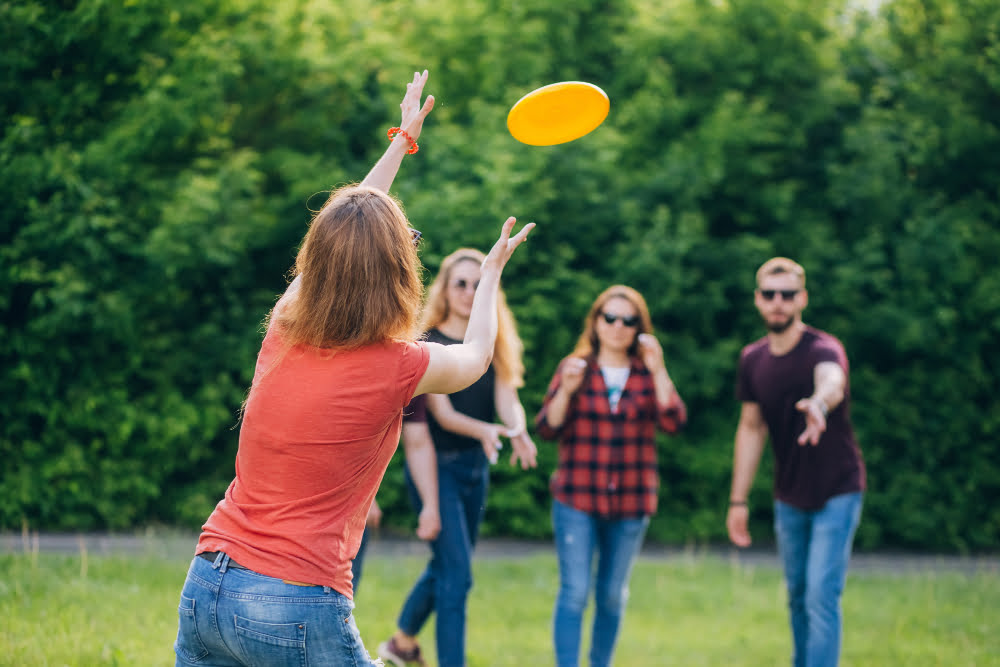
607,460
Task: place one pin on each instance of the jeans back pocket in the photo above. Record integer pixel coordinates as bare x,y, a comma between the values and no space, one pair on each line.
272,644
189,645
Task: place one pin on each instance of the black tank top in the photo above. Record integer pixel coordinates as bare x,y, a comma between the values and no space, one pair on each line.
476,401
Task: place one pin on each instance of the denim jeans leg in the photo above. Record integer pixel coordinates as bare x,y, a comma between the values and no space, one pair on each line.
618,545
461,515
833,529
576,539
792,528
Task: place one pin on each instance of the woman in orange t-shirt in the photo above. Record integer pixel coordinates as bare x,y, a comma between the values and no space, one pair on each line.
271,579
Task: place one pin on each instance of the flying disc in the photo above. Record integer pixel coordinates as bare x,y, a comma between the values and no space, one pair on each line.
557,113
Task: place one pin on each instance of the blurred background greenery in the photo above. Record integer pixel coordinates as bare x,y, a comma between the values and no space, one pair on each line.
158,163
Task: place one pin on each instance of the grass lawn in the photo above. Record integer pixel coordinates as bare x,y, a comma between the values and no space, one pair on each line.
697,610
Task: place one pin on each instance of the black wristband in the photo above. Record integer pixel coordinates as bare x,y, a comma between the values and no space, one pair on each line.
737,503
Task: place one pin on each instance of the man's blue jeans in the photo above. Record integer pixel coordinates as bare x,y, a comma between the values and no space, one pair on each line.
815,548
443,588
230,617
578,535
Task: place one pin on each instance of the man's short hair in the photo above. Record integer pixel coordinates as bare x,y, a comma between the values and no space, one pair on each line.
778,265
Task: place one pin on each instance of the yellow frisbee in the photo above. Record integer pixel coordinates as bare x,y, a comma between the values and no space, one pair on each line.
557,113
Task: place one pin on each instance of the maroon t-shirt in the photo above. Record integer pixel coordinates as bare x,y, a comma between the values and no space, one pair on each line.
805,476
416,409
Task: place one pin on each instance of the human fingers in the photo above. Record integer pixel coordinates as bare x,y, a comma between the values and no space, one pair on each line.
736,526
428,105
500,252
520,237
530,458
811,434
491,445
428,525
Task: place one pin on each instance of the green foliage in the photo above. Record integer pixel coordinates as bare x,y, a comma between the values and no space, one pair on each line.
158,163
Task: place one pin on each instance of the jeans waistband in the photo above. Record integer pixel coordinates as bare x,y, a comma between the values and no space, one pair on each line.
212,556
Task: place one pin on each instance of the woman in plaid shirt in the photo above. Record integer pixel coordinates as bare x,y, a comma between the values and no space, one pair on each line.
603,406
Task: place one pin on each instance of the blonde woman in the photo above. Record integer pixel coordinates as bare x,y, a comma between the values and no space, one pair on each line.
604,405
270,582
466,439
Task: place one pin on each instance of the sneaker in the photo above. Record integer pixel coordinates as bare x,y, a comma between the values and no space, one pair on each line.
391,653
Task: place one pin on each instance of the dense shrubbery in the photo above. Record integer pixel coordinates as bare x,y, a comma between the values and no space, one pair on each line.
158,162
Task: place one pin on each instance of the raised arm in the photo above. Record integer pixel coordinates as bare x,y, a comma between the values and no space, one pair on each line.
412,122
452,368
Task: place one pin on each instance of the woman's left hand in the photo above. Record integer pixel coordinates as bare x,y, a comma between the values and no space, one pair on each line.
413,113
651,352
524,450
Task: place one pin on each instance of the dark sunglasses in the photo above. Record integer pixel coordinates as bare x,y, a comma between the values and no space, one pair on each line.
786,294
463,284
415,234
626,321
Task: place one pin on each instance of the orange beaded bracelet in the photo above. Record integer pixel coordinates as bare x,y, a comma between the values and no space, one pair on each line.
393,131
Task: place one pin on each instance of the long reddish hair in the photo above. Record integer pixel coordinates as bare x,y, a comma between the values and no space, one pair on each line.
507,351
359,275
588,343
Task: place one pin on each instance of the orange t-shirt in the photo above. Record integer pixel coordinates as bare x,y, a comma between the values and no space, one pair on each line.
318,431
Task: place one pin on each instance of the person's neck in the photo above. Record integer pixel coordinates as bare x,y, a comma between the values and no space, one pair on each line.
613,358
454,327
784,342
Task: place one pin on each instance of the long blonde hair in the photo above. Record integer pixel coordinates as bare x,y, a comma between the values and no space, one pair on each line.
359,274
588,344
508,348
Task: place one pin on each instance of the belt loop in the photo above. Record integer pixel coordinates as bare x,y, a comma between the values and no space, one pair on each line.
218,560
326,590
225,563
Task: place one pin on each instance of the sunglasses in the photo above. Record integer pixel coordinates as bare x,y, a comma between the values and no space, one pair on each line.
786,294
463,284
415,234
629,322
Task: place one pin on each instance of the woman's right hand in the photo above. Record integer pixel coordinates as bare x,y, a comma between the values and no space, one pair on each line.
571,374
428,523
505,245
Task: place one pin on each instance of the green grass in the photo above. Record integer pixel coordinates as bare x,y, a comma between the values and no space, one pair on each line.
86,611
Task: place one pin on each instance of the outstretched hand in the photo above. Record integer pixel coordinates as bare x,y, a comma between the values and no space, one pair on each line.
505,246
815,421
413,112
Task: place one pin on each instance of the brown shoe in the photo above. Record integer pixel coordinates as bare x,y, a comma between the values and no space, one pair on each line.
391,653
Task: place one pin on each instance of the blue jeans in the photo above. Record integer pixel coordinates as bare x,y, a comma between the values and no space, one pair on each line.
230,617
815,548
617,542
443,588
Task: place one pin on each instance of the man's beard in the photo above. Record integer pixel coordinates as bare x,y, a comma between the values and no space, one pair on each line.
779,327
